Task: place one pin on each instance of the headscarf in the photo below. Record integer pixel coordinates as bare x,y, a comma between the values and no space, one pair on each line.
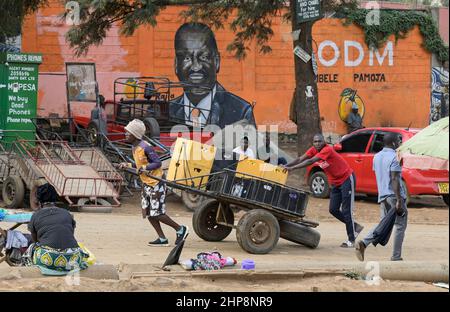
46,193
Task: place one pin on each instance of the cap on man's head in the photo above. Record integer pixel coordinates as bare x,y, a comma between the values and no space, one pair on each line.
137,128
355,106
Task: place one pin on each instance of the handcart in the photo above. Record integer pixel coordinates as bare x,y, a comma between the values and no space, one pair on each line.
272,210
75,181
105,149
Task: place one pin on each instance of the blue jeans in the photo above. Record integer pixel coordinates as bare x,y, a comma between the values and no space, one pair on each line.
342,203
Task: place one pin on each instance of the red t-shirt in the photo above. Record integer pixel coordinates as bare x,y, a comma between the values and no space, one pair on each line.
334,166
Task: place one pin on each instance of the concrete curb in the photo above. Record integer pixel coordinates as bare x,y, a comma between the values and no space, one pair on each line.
99,272
388,270
405,271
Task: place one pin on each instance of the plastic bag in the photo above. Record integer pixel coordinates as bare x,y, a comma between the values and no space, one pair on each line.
91,260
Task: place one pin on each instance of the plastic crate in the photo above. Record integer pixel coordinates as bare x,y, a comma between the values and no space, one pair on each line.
266,192
293,201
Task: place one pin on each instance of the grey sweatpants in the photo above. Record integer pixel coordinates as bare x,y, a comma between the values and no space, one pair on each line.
399,227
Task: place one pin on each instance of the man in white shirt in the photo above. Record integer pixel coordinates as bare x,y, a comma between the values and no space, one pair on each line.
244,149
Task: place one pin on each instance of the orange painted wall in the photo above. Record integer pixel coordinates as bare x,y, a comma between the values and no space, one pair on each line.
402,99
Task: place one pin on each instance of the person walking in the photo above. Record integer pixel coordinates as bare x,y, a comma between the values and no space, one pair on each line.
153,197
342,180
391,195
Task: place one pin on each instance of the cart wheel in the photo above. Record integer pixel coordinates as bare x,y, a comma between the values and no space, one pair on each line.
445,198
13,192
10,261
103,205
192,201
93,129
152,128
300,234
205,225
258,232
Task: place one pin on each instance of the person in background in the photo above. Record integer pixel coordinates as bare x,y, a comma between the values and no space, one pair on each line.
153,197
102,115
342,180
244,149
391,195
354,120
269,154
52,229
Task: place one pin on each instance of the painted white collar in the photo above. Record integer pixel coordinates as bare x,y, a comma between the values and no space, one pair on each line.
204,106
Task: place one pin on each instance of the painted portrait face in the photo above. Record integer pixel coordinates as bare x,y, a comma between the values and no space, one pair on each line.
197,62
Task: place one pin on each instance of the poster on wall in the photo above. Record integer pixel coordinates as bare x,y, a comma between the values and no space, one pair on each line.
308,10
204,100
439,94
81,82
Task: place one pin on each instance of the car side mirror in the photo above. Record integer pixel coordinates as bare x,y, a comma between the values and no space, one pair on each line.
337,147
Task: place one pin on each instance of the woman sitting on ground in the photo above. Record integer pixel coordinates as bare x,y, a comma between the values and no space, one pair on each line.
55,249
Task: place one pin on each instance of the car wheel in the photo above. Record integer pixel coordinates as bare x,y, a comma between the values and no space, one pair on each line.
93,131
318,184
445,198
299,233
152,128
205,224
258,232
191,200
13,192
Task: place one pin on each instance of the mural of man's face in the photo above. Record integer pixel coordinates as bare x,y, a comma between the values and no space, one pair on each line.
196,63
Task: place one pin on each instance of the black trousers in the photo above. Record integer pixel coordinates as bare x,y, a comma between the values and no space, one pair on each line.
342,202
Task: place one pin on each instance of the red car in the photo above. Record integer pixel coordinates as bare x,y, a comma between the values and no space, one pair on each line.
359,148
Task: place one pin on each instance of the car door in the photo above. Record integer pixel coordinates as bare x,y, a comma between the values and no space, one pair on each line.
354,148
376,145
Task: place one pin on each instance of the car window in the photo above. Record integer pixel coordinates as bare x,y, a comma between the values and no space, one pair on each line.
377,142
356,143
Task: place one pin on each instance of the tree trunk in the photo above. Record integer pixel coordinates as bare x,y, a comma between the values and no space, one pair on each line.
306,106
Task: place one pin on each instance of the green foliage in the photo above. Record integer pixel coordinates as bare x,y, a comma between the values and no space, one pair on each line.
13,14
398,23
353,275
249,20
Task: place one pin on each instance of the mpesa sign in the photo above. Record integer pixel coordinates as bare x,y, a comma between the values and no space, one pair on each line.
356,57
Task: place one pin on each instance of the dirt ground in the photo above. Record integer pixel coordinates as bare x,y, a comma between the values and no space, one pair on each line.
168,284
121,238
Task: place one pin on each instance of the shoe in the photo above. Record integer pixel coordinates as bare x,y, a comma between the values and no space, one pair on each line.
358,229
348,244
359,250
396,259
159,242
182,234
